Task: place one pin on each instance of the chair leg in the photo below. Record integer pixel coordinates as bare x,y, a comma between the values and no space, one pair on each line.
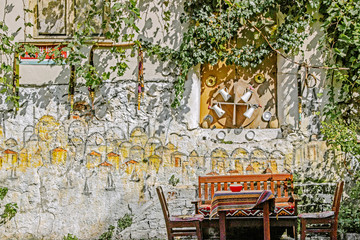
295,232
303,229
198,230
333,234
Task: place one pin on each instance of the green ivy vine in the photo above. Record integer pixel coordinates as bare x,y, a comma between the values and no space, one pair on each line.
341,24
216,26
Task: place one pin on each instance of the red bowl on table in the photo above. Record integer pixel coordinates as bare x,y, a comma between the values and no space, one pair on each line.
236,187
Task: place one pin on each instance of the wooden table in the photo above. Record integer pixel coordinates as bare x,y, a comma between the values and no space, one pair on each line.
224,201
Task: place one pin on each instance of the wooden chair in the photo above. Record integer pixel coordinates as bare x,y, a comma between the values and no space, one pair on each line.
328,221
180,225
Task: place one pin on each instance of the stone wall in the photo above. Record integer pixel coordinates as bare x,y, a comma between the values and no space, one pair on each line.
81,174
79,171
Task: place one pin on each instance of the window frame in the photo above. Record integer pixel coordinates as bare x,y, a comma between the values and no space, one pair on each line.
70,24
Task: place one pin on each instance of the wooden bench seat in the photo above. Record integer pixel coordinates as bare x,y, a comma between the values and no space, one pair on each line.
285,214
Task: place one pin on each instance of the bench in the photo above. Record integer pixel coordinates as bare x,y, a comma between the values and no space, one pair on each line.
284,216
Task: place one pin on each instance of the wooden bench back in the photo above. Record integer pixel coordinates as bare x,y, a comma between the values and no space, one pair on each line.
280,184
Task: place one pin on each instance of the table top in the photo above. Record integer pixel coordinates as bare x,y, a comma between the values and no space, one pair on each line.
246,199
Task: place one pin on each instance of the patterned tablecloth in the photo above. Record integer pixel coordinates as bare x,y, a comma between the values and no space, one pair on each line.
246,199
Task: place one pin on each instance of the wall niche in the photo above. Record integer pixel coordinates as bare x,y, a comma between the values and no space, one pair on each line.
222,103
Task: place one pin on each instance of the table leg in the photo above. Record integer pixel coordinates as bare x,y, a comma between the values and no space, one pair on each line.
222,219
266,221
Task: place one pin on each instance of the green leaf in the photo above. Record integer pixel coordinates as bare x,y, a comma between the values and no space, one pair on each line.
340,52
344,38
117,6
3,192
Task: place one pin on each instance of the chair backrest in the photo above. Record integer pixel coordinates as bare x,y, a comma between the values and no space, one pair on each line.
281,184
163,203
337,198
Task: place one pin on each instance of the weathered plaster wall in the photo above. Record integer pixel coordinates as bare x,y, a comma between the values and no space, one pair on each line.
79,172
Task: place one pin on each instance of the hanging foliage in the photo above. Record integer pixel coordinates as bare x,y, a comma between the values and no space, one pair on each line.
341,24
215,26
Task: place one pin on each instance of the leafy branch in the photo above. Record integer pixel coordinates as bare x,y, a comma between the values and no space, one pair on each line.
215,27
10,209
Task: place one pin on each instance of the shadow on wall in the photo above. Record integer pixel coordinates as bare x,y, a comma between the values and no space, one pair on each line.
314,161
